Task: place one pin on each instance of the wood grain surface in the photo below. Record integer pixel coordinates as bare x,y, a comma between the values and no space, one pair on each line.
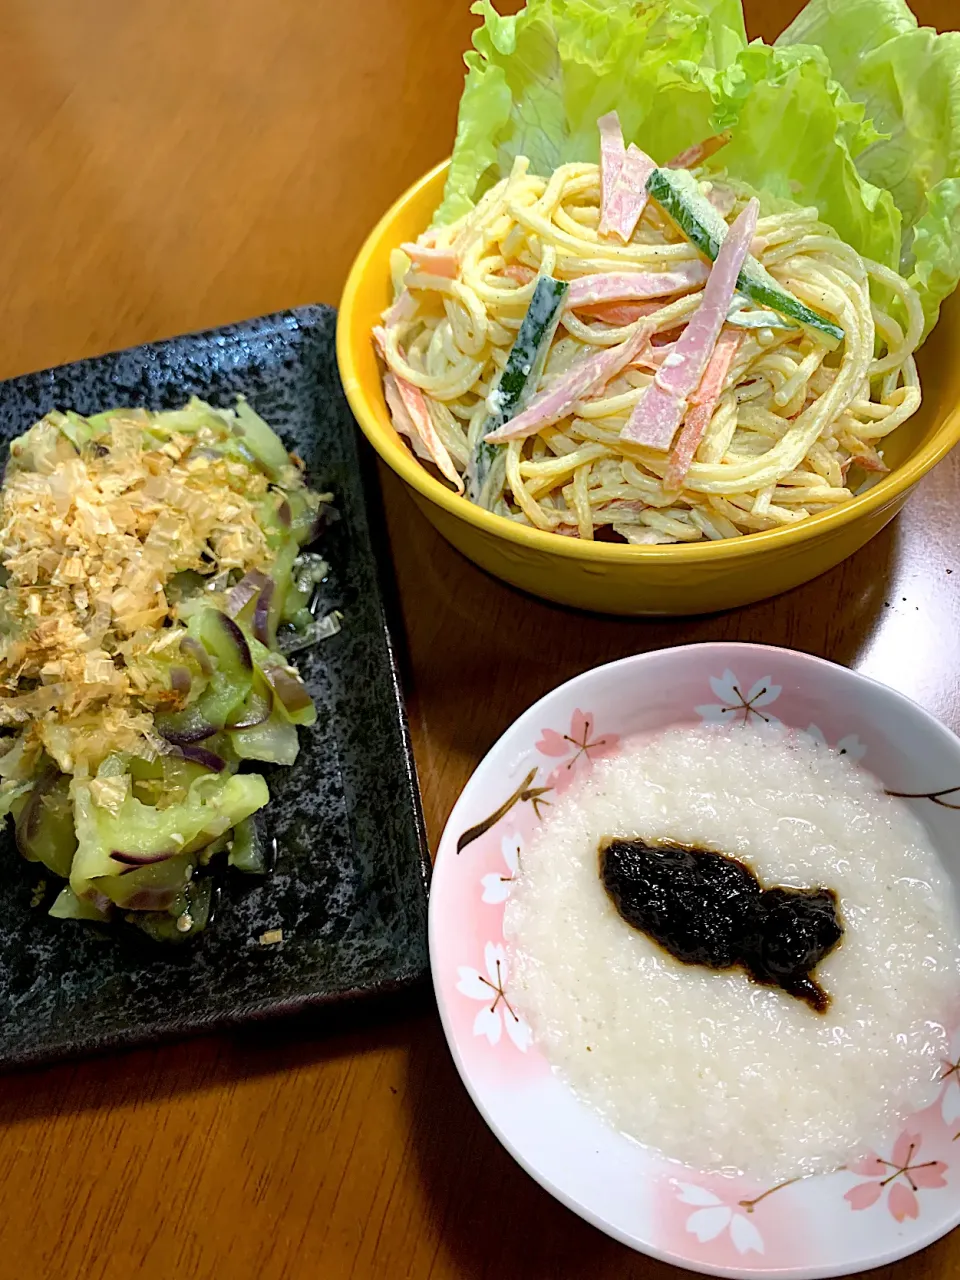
168,165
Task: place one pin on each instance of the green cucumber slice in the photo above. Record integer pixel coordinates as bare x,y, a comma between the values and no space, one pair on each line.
517,381
678,194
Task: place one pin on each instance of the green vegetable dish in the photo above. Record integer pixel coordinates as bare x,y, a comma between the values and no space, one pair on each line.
153,585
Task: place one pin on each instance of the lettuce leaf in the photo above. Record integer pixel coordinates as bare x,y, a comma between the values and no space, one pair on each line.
856,110
769,96
908,80
538,81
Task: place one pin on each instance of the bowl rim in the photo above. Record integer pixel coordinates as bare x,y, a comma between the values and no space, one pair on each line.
729,648
375,424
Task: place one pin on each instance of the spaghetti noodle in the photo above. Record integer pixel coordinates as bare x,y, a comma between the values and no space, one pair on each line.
780,418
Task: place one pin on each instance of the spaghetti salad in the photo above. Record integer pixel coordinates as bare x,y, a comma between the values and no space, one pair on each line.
781,420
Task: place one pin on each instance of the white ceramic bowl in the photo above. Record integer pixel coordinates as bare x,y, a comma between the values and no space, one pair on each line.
830,1225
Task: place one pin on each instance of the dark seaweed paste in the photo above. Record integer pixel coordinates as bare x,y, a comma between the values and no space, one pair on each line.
710,909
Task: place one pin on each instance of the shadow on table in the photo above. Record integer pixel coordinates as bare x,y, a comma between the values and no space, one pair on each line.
481,652
271,1046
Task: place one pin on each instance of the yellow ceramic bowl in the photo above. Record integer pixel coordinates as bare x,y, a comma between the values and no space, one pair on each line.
610,577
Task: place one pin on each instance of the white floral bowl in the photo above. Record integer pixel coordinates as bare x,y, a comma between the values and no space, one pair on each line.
882,1208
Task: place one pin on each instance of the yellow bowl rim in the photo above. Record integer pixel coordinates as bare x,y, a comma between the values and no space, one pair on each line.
373,419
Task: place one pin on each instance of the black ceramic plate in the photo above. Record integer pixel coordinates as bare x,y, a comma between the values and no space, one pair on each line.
349,886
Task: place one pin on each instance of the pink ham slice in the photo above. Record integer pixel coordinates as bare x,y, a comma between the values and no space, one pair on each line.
415,417
701,151
556,402
612,153
661,408
869,459
701,409
403,309
439,262
402,421
517,271
619,313
631,286
621,212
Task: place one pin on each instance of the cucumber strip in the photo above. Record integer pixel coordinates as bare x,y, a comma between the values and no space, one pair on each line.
742,317
678,194
517,381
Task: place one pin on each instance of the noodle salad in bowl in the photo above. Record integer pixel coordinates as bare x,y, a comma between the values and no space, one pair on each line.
623,326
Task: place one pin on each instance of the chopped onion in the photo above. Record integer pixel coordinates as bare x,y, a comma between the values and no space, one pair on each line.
200,755
190,727
258,709
238,638
134,860
180,680
261,614
196,650
288,687
239,597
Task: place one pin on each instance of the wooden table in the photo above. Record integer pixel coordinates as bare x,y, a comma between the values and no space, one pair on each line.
172,165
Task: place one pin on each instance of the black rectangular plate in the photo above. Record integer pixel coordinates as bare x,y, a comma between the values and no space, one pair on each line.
349,887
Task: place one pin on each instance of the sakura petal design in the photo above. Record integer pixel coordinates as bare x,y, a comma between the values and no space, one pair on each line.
496,888
552,743
737,706
763,693
745,1236
471,984
725,688
870,1167
929,1175
903,1203
487,1023
578,742
864,1195
518,1030
496,885
707,1224
850,746
690,1193
905,1148
581,726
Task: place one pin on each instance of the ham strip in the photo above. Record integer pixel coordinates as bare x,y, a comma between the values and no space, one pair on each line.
702,408
680,373
517,271
439,262
403,309
868,459
556,402
612,153
621,212
699,152
619,313
416,407
415,417
630,286
404,424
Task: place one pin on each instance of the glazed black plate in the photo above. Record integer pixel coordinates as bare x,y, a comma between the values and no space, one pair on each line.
349,886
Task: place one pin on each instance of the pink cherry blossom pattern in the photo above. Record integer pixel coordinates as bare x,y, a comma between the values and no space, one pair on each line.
902,1201
579,743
